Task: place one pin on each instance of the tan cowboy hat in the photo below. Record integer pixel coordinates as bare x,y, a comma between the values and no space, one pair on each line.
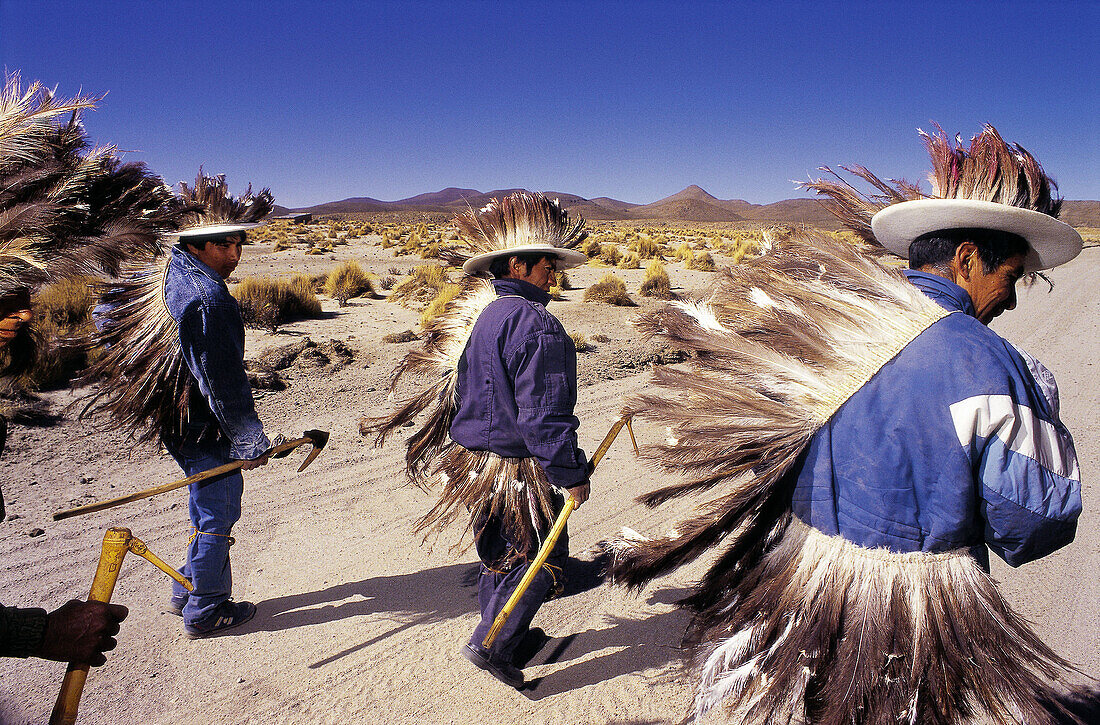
1052,242
564,258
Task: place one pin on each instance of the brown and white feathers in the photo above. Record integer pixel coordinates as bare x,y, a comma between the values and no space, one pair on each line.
67,209
473,482
990,169
780,341
145,385
519,219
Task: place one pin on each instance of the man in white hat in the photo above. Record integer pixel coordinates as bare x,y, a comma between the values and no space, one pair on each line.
500,433
221,424
870,445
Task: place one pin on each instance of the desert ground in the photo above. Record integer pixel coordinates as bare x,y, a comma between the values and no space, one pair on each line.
358,619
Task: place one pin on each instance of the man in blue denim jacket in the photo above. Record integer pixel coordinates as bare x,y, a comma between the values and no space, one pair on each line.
222,423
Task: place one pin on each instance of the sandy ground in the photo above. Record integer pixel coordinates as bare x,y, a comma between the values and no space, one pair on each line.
358,621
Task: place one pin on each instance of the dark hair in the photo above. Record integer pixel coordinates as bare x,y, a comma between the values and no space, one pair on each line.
500,268
935,249
200,242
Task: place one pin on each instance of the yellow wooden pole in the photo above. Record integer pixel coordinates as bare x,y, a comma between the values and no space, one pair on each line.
116,542
115,545
551,539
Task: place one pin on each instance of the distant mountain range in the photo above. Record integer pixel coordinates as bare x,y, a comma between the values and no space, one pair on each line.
693,204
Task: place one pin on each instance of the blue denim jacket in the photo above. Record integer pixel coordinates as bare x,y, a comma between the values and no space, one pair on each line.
517,385
212,339
952,444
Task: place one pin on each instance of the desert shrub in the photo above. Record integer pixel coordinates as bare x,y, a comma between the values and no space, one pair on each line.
282,244
683,253
591,248
268,302
609,289
387,241
422,285
347,281
601,338
656,282
702,262
435,308
646,248
62,314
387,282
610,254
630,260
395,271
430,251
580,342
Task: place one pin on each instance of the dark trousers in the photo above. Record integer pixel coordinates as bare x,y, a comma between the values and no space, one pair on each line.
495,585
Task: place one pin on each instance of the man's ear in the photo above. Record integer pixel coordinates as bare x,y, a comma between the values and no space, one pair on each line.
516,267
965,259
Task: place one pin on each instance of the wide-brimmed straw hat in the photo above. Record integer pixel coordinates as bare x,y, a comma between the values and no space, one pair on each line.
520,223
216,230
563,258
991,184
1052,242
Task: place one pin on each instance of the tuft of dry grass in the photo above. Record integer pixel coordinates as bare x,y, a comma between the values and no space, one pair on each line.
703,262
423,284
268,302
646,248
656,283
347,281
580,342
62,316
630,260
435,308
609,289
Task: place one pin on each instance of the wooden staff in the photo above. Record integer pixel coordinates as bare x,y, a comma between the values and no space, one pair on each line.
552,538
116,542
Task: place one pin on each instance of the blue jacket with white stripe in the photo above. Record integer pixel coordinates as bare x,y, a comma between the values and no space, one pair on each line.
952,444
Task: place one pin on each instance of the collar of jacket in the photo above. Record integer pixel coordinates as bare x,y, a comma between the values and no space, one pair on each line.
187,259
942,291
526,290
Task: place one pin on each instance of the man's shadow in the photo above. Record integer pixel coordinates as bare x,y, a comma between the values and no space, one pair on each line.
639,644
423,597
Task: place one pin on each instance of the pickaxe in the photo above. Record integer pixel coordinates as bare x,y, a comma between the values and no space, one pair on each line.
552,537
316,437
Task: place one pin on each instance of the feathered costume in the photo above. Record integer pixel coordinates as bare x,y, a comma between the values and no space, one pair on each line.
474,482
150,388
790,624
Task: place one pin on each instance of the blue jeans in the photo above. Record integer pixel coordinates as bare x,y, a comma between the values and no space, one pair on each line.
495,586
214,505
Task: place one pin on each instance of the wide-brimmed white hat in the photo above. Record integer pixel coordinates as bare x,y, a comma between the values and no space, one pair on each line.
1051,242
564,258
216,230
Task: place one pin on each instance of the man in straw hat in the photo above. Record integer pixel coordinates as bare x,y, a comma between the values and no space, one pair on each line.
874,439
173,351
504,375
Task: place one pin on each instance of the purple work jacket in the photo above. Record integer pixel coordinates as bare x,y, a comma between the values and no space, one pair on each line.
517,385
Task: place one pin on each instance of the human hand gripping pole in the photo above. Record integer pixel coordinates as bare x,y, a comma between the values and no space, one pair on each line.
116,542
555,532
318,438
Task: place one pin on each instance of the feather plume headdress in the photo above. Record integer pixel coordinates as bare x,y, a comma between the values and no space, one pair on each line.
990,185
781,342
66,209
147,388
474,482
521,222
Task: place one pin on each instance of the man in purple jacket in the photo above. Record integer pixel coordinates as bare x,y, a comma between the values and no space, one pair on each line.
517,386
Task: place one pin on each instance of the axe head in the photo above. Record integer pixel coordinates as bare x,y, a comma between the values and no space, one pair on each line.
319,438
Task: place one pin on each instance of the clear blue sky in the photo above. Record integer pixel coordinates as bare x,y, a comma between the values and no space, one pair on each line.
633,100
